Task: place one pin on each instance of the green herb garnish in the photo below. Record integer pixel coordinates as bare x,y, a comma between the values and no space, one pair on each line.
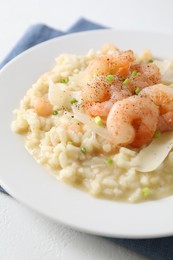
167,83
109,161
83,149
73,101
70,142
65,81
137,90
54,112
145,192
157,134
134,73
126,82
110,78
98,120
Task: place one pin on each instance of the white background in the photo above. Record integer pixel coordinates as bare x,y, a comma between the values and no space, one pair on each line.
25,234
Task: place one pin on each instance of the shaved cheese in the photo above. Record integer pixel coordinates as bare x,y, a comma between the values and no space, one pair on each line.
60,96
77,95
90,123
166,69
151,157
79,79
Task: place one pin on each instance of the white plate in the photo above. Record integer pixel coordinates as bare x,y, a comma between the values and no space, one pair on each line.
31,184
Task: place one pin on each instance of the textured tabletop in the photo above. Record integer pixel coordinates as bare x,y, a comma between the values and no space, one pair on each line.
27,235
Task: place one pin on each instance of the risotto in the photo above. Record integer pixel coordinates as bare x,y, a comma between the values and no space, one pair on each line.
96,122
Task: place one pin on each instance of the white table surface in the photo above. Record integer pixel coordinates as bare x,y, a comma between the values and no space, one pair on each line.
25,234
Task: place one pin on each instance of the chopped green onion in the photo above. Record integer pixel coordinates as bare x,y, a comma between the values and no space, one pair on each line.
83,149
98,120
73,101
157,134
110,78
70,142
126,82
54,112
167,83
65,81
134,73
109,161
150,61
137,90
145,192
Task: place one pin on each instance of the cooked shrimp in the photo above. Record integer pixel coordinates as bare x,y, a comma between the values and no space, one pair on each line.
99,66
120,93
161,95
152,72
102,109
165,122
147,75
43,107
98,109
96,90
121,62
99,94
117,63
133,121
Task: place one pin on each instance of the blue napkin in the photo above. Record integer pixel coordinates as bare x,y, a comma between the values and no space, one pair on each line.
156,249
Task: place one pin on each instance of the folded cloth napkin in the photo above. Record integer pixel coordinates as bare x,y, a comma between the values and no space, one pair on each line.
157,249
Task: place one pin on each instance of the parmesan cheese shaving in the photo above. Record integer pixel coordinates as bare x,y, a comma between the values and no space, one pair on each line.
166,68
60,96
151,157
90,123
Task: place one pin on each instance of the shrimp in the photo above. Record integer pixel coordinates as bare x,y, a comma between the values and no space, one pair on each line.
120,63
97,90
98,109
147,75
161,95
120,93
102,109
165,122
99,94
151,72
133,121
117,63
43,107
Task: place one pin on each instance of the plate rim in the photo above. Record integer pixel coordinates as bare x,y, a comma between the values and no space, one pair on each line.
18,197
